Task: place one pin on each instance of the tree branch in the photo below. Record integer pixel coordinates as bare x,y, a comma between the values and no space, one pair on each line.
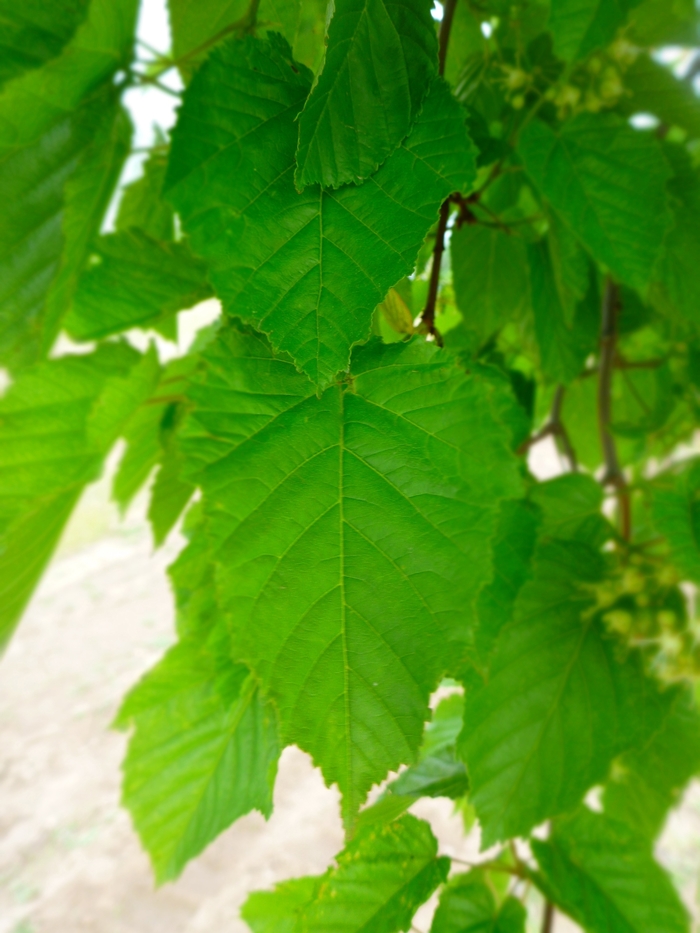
555,428
613,475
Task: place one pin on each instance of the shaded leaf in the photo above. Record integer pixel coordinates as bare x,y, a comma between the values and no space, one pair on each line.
467,905
559,703
134,281
652,88
676,511
580,26
142,204
380,59
34,32
606,181
307,269
601,874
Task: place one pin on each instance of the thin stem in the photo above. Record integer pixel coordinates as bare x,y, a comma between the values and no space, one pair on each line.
555,428
448,14
141,79
613,475
428,316
548,918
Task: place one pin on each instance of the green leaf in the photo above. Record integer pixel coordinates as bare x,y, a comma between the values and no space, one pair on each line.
488,297
603,876
280,910
48,121
204,752
513,549
676,511
351,605
581,26
559,704
647,782
467,905
169,496
134,281
35,32
307,269
570,509
652,88
380,880
677,277
142,204
380,60
57,421
658,22
438,772
566,336
606,181
195,27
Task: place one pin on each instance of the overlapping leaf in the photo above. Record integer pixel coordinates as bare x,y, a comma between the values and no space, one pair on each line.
676,509
467,905
592,170
559,702
580,26
49,119
57,422
380,60
351,603
204,752
135,281
34,32
602,875
308,269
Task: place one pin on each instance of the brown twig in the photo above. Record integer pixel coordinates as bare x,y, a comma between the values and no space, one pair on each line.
555,428
428,316
613,475
548,918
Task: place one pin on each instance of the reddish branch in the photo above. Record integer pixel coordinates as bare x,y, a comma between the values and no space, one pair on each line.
613,475
555,428
548,918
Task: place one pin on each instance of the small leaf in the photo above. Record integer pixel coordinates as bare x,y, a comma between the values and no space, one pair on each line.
204,752
396,312
653,88
381,878
676,511
380,60
603,876
489,270
280,910
467,905
607,183
142,204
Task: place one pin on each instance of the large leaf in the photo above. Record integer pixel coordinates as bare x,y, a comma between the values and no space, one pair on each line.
489,270
606,181
676,510
134,281
204,752
559,703
57,422
380,60
647,782
48,120
350,603
603,875
467,905
307,269
580,26
380,880
33,32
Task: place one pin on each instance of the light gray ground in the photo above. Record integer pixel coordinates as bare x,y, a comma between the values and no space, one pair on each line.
69,859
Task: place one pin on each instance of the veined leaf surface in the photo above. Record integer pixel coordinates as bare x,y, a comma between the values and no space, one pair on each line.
350,604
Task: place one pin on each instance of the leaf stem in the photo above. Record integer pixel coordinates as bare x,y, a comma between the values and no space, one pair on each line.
548,918
428,316
448,14
613,475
